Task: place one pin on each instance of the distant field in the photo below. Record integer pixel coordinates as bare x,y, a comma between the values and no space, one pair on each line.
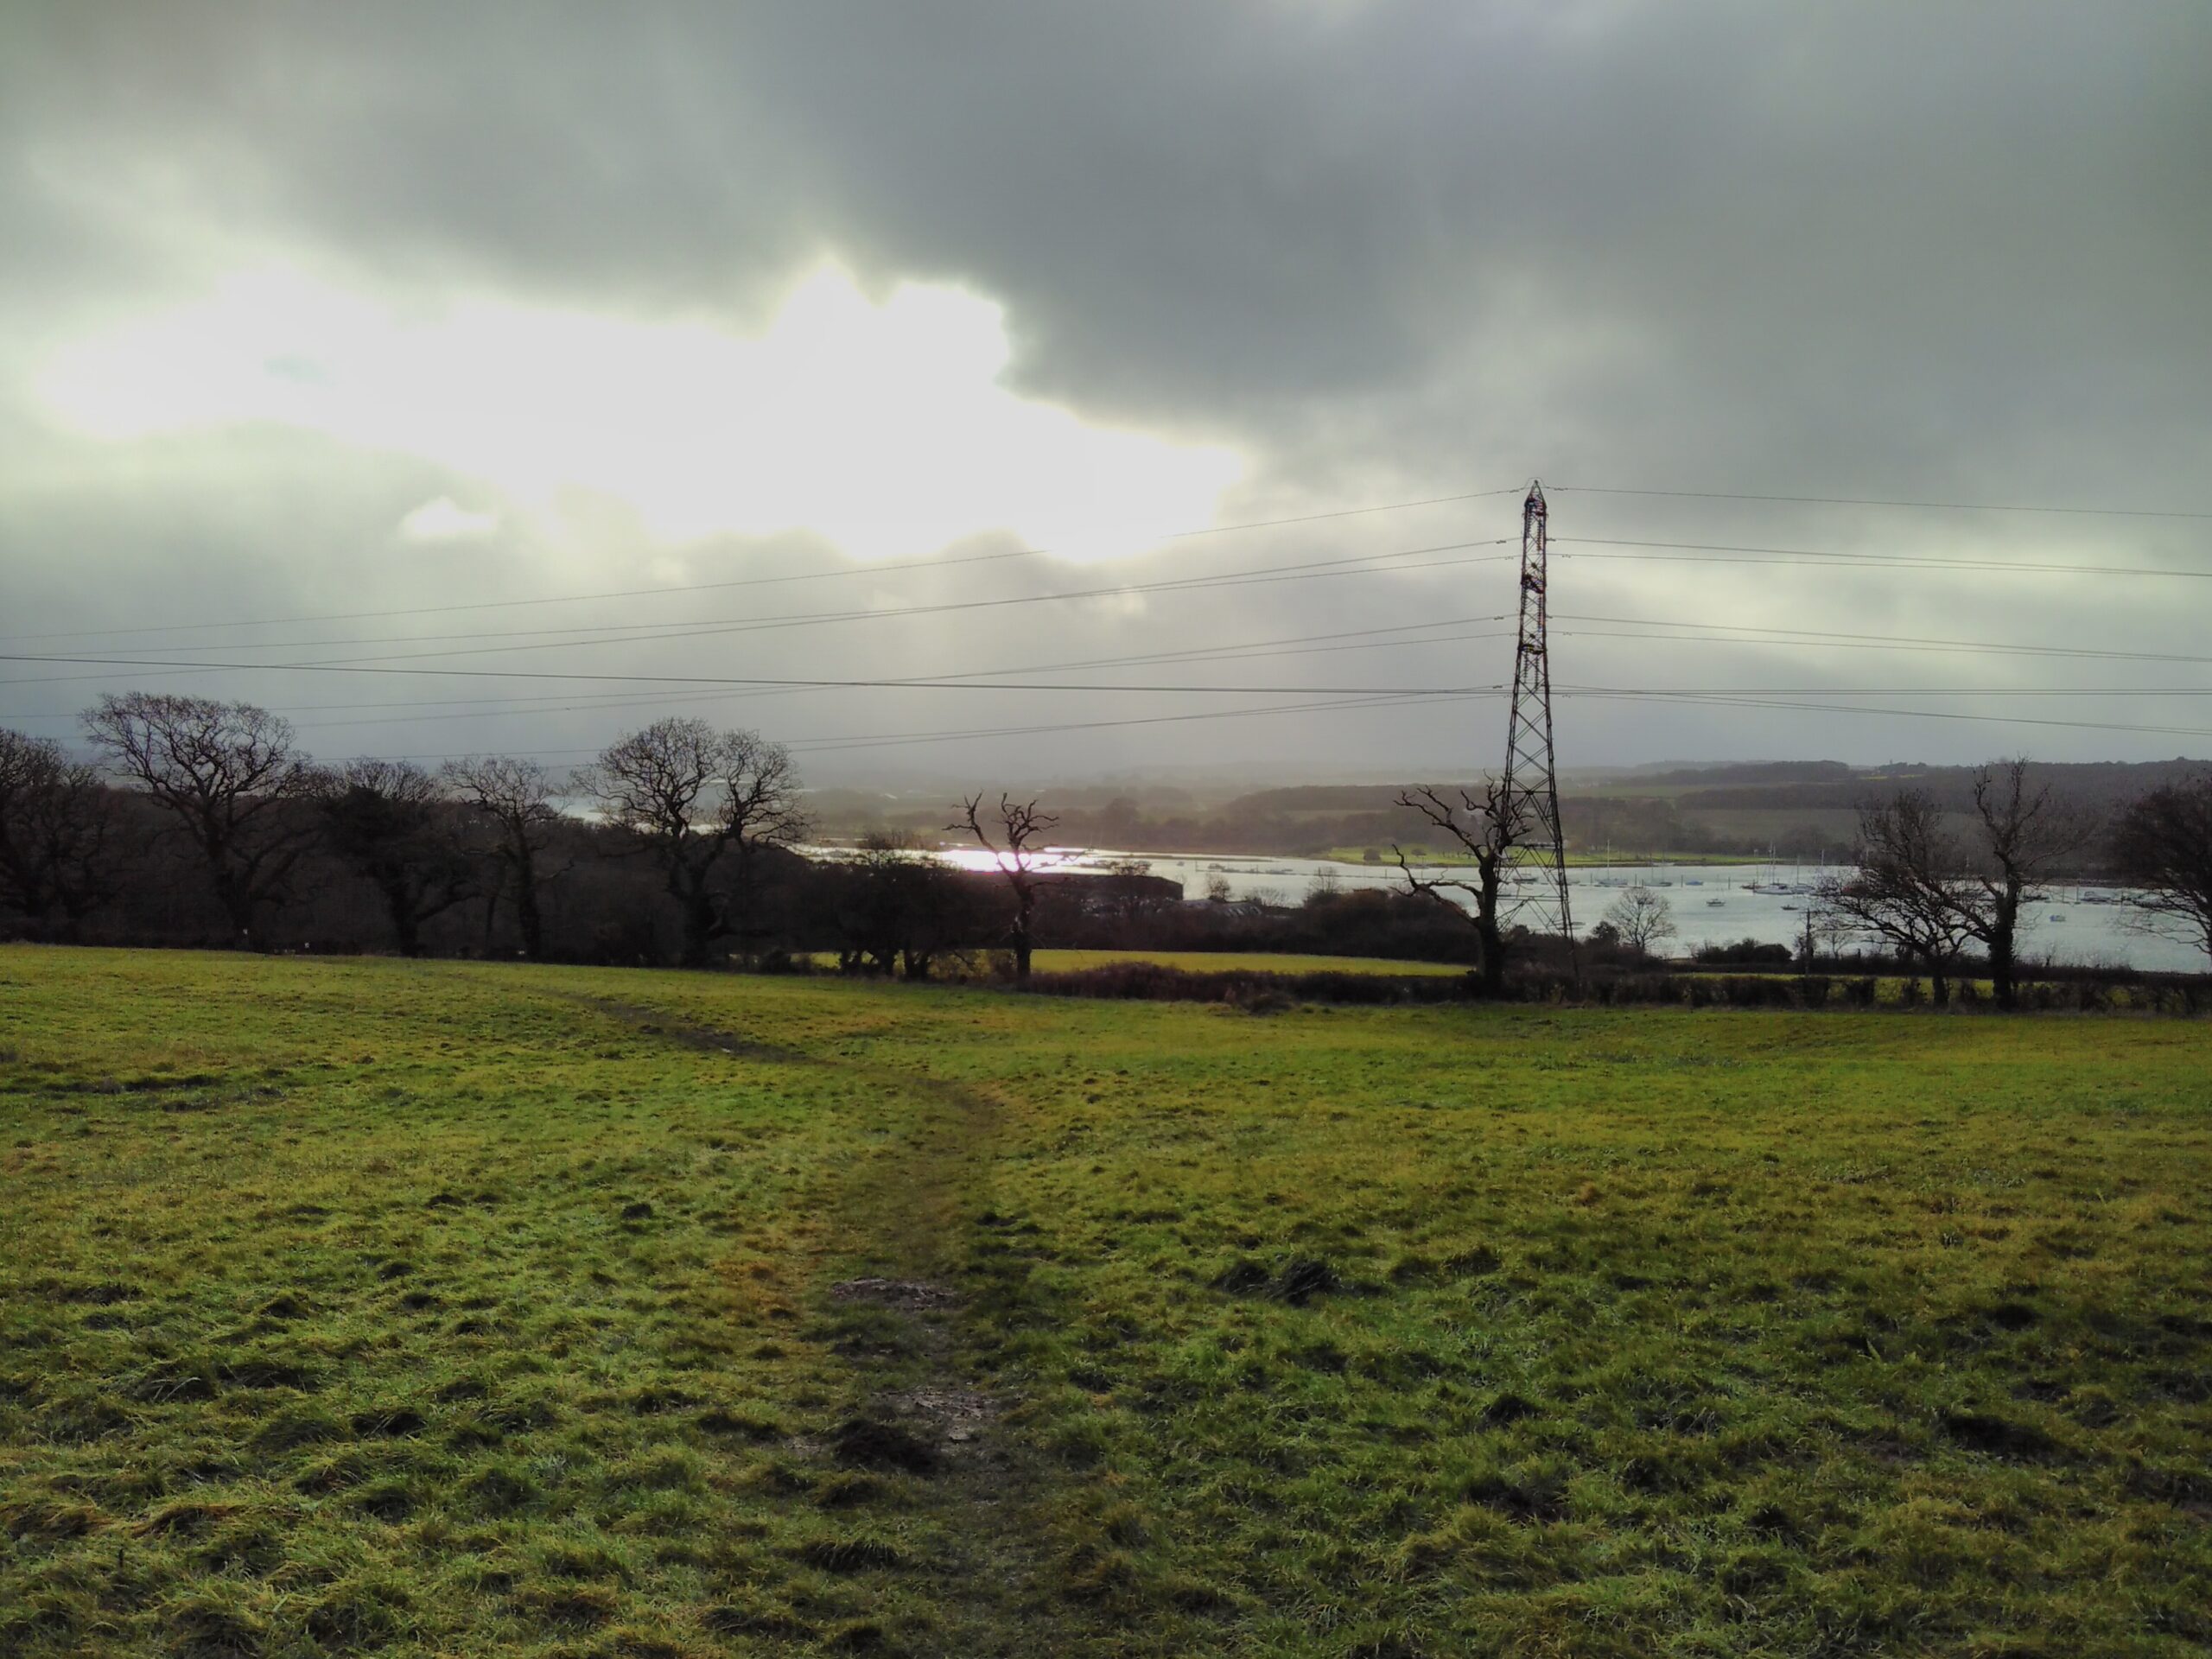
440,1308
1223,962
1227,962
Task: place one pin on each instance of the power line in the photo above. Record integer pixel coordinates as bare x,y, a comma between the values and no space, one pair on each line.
930,562
616,633
1023,553
629,633
1318,697
830,744
909,684
611,705
1250,650
980,676
1304,645
558,599
1914,714
1701,552
1904,691
1340,512
827,745
1257,575
650,632
764,681
1313,570
1867,501
837,745
1716,632
1363,692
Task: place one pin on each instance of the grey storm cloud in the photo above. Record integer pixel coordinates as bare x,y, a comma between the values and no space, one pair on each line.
1386,250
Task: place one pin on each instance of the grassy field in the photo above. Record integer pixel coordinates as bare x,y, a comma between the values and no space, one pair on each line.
1207,962
415,1308
1227,962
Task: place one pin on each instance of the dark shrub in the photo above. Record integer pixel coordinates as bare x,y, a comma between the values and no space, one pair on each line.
1745,953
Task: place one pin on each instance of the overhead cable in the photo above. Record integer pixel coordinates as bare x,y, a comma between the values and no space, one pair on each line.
925,563
1871,501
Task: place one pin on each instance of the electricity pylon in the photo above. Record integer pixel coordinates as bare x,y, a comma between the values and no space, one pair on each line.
1533,868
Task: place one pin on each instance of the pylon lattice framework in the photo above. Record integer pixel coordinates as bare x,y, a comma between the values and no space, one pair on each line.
1534,870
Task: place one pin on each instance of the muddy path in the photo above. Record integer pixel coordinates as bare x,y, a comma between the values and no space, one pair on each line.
883,1279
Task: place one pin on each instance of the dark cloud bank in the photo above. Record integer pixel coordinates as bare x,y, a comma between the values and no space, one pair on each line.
1387,251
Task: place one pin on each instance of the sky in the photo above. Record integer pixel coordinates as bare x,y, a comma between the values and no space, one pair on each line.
498,377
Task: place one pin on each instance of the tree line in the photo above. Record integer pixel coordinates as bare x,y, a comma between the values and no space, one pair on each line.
205,822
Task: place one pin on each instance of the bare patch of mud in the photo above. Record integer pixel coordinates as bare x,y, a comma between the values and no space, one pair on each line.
915,1293
954,1418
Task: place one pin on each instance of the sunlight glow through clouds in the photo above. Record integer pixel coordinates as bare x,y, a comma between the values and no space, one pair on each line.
882,427
445,520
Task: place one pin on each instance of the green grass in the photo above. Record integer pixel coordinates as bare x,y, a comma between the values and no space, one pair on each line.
1214,962
1225,962
439,1308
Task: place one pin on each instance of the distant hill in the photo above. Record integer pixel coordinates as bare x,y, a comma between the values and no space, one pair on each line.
1804,809
2101,783
1757,772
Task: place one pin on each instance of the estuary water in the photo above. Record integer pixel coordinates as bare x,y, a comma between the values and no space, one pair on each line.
1712,904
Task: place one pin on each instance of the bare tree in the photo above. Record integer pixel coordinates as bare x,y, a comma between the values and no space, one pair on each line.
1826,928
390,822
57,825
1021,826
1906,889
1483,828
1641,917
1327,884
229,775
697,798
2163,843
1929,895
515,798
2024,833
